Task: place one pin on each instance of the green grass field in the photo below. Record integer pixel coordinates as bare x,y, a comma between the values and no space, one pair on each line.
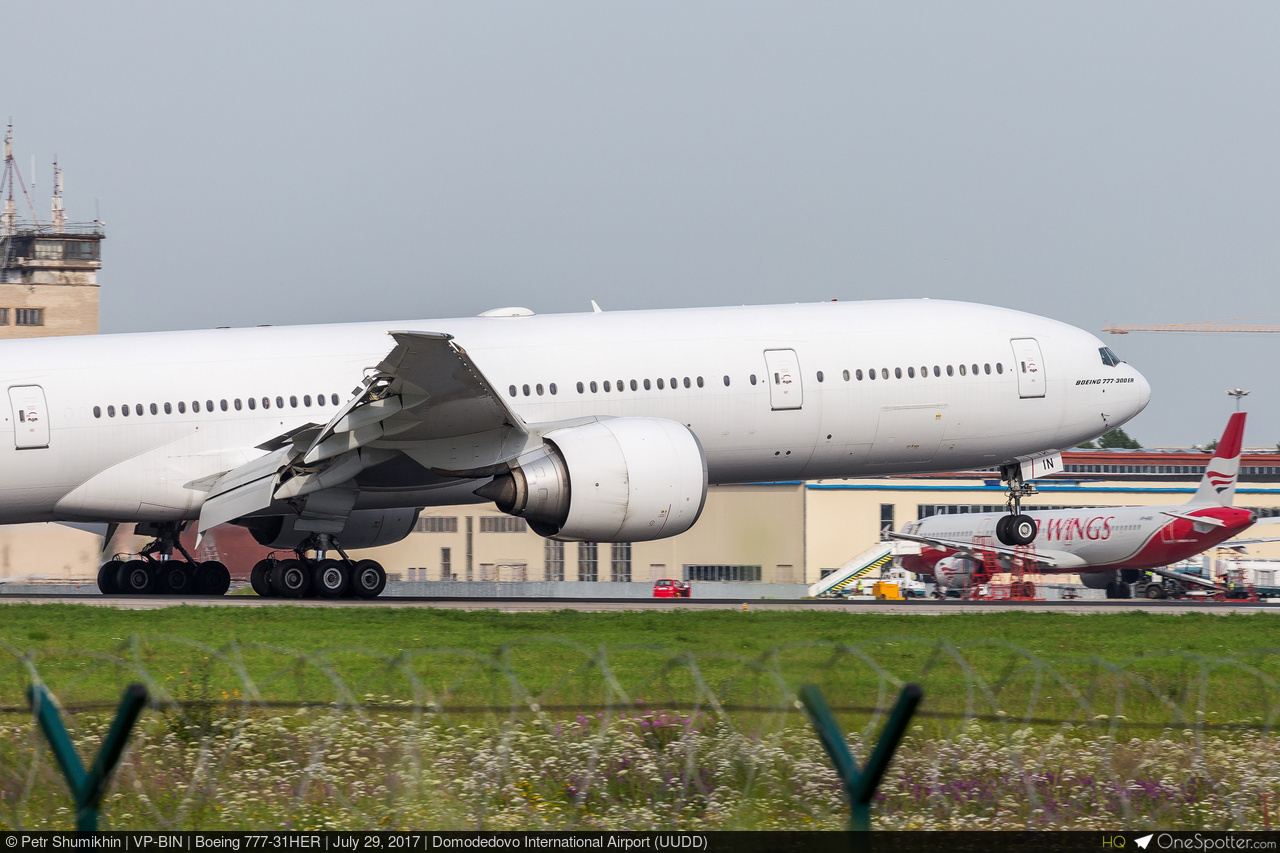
1155,668
646,720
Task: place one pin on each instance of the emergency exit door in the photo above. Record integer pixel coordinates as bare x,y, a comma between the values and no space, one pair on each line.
1029,367
30,417
785,390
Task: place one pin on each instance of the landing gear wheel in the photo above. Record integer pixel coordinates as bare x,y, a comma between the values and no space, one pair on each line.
1117,589
368,580
1022,529
136,577
176,577
260,577
290,579
212,578
1155,591
331,579
107,578
1002,529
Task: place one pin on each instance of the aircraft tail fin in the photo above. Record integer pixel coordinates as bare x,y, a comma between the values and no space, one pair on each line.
1218,486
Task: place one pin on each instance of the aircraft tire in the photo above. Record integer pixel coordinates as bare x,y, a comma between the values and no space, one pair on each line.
176,577
1002,530
260,577
290,579
368,579
212,578
1022,529
136,577
331,578
107,578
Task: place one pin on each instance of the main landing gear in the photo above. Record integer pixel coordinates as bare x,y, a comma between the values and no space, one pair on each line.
318,577
155,570
1016,528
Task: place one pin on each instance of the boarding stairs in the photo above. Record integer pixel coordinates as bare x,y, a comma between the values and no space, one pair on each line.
869,563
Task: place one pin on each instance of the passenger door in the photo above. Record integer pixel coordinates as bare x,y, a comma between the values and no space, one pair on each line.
30,417
785,389
1029,366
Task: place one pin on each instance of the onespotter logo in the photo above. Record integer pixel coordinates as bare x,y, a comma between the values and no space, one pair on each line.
1187,841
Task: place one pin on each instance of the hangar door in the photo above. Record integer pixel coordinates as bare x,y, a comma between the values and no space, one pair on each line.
30,417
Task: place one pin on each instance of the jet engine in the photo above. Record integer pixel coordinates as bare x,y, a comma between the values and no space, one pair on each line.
366,528
1102,579
615,480
955,571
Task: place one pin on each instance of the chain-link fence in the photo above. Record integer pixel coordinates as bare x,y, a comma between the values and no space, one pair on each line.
546,735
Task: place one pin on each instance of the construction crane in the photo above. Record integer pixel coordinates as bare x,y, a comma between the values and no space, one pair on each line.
1217,326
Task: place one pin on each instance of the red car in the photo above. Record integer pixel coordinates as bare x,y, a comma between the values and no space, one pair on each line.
670,588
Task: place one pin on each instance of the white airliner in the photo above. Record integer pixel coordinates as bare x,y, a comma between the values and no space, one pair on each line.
605,426
1108,546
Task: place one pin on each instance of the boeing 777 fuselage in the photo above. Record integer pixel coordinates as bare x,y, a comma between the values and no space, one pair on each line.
605,426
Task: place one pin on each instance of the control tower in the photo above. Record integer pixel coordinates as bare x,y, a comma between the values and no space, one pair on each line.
48,270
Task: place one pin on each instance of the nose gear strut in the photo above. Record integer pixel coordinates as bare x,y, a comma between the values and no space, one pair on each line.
1016,528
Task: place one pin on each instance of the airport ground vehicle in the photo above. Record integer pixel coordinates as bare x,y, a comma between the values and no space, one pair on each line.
670,588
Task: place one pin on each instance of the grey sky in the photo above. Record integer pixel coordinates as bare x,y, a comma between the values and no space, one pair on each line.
320,162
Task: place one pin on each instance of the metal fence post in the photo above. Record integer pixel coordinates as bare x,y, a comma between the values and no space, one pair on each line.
87,788
860,785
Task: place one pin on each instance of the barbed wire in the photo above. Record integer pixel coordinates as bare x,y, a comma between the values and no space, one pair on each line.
546,733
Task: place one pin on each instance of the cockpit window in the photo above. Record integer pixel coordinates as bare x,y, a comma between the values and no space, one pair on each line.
1109,358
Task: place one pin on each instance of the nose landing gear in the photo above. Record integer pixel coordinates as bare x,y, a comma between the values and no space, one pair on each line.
1016,528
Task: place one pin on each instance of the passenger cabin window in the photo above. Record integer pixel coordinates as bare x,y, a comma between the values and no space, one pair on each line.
208,405
884,373
182,407
962,370
524,388
138,409
660,384
222,405
253,404
686,382
753,380
607,386
699,381
819,375
552,388
124,410
897,373
306,400
581,388
647,385
333,398
538,389
846,376
168,410
999,367
111,411
726,381
319,399
634,385
97,411
293,401
593,387
237,404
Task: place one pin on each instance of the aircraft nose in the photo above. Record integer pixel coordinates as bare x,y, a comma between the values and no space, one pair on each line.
1141,391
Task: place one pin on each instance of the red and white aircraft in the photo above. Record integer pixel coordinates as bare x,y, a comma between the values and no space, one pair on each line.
1107,546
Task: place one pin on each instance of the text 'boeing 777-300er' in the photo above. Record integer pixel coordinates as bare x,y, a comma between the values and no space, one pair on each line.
1110,547
605,426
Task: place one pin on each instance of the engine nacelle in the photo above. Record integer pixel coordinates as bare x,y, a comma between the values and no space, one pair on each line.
616,480
954,571
365,528
1100,580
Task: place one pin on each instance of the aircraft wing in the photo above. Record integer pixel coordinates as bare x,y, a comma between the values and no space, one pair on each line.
426,399
1057,560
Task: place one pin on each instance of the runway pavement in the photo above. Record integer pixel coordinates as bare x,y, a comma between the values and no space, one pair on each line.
917,607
